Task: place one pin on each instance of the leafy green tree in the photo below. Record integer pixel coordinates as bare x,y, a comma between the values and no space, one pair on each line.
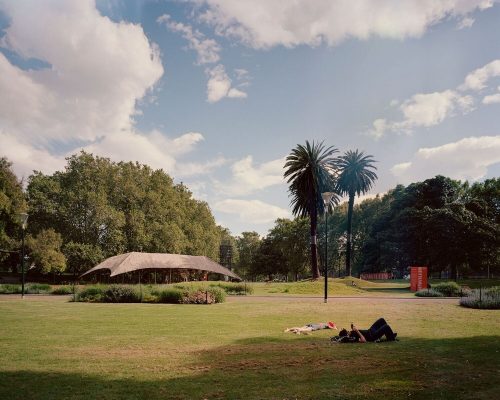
248,244
81,257
309,171
290,239
12,202
356,177
45,251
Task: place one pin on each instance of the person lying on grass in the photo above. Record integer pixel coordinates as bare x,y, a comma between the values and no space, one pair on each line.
379,329
306,329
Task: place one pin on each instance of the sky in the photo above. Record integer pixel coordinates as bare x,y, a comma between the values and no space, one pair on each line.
217,92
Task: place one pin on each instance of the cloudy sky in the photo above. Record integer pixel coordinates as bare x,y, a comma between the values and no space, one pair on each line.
217,92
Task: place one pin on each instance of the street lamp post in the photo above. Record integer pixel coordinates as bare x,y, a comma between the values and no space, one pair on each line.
327,198
23,220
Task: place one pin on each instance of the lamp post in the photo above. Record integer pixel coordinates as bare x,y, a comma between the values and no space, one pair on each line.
23,220
327,198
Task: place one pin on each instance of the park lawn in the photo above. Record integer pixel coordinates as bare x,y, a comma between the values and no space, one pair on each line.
336,287
54,349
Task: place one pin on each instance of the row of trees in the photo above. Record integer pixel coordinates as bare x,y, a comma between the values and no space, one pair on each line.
96,208
451,226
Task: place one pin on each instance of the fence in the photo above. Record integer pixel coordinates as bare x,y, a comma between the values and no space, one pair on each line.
376,276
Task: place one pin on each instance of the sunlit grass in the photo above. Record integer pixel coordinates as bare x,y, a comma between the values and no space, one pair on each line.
53,349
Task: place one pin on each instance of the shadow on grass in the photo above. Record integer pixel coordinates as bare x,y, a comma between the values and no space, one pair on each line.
292,368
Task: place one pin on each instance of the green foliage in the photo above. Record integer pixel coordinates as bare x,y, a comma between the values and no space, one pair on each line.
62,290
248,245
429,293
494,290
45,249
356,177
81,257
234,288
217,295
168,295
482,298
37,288
309,172
120,294
448,289
8,288
103,208
12,202
92,294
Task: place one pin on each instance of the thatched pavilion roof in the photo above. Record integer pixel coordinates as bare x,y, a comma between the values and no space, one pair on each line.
135,261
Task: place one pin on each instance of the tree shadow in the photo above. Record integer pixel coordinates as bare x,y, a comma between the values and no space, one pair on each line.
292,368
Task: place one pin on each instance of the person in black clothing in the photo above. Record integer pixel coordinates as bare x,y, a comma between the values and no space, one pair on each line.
379,329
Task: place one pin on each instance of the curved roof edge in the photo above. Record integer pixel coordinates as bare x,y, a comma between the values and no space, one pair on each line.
135,261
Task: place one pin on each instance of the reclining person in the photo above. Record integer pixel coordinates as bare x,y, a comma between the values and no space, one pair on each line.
312,327
379,329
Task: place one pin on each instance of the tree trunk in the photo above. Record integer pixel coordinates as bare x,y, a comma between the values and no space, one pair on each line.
314,245
349,235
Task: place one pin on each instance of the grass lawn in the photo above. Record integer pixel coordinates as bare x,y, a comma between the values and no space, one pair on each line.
53,349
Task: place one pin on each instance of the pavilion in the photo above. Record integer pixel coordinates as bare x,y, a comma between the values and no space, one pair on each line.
155,262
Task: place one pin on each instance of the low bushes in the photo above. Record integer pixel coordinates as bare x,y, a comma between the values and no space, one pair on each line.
234,288
8,288
448,289
29,288
429,293
62,290
151,294
482,298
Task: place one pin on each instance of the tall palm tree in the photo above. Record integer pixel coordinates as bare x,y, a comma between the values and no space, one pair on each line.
309,171
356,177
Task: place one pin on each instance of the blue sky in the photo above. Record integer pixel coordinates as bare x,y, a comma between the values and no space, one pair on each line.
217,92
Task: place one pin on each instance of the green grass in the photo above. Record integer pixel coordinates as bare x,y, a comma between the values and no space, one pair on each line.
53,349
336,287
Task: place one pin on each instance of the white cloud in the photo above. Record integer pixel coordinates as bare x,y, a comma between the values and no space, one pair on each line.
219,85
252,211
247,178
206,49
467,158
98,71
190,169
466,22
430,109
491,99
478,78
424,110
264,23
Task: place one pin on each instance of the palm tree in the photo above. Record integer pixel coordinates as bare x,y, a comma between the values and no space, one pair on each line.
309,170
356,177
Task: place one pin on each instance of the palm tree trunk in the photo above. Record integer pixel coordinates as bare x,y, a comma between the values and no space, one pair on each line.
314,246
349,235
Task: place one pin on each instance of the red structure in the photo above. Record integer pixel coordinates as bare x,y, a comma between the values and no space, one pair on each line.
376,276
418,278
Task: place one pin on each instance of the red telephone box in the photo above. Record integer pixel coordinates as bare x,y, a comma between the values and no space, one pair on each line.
418,278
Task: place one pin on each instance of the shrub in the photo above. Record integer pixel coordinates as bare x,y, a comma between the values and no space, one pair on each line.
91,294
482,298
234,288
62,290
37,288
168,296
448,289
120,294
218,295
494,290
8,288
429,293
